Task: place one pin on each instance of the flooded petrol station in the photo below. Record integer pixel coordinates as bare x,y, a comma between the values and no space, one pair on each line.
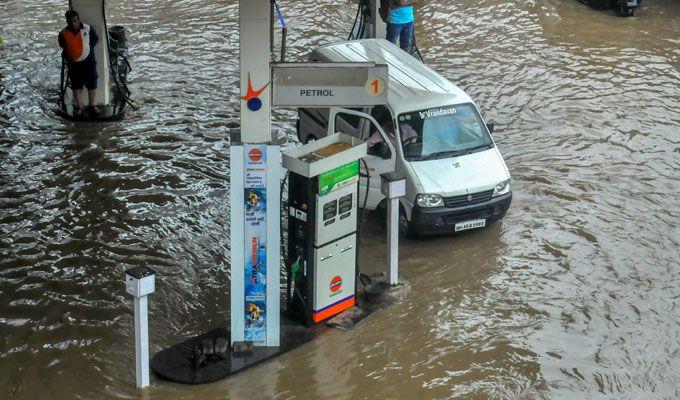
573,294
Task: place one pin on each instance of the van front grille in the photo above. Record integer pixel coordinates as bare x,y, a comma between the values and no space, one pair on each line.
468,199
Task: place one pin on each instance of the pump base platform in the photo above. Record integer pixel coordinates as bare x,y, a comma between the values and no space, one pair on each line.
106,114
375,297
114,111
175,363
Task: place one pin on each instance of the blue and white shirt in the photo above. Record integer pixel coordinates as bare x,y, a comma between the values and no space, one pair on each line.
401,15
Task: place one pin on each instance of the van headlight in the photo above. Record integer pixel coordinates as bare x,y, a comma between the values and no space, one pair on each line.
429,200
502,188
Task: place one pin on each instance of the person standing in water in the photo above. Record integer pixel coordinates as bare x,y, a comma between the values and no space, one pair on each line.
400,22
78,41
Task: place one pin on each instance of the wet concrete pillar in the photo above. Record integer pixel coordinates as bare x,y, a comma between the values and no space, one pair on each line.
92,13
379,26
255,169
255,47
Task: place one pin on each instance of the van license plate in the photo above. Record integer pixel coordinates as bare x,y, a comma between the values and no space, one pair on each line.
475,223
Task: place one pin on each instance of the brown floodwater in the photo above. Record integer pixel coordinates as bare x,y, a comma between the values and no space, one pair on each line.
574,295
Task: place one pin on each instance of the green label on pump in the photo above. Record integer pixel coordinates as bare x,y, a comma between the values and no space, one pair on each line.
338,178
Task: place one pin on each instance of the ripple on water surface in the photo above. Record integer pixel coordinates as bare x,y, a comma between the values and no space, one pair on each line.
573,295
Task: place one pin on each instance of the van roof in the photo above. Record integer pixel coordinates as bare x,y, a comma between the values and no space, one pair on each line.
408,78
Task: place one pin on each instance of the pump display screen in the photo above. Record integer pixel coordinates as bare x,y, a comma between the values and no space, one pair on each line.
345,204
330,210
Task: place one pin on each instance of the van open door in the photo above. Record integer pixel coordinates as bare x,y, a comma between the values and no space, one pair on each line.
381,157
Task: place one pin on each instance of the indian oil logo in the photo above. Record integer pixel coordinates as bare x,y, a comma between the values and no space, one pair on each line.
252,96
336,284
255,155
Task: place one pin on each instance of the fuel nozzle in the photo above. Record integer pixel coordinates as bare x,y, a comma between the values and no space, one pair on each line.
298,304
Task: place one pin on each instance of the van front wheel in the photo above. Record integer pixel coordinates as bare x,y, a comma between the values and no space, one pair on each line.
406,227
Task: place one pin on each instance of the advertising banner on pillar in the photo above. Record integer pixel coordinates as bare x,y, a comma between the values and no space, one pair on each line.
255,227
255,244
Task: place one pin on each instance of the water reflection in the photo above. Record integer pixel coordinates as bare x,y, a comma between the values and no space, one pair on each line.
572,295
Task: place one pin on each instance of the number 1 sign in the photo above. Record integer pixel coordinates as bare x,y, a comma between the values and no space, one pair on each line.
375,86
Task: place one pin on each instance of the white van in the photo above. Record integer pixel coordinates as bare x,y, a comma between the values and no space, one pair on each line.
456,179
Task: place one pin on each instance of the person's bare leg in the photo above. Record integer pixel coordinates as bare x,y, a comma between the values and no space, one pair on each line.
78,94
92,96
91,109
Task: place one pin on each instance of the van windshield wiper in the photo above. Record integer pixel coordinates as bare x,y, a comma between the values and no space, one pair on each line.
450,153
473,149
441,154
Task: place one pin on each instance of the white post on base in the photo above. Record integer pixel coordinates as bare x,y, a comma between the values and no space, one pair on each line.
393,187
393,240
140,282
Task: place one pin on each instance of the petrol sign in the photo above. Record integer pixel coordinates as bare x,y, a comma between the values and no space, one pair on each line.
329,84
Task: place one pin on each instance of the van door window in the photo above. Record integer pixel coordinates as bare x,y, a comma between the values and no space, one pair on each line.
375,142
353,125
349,123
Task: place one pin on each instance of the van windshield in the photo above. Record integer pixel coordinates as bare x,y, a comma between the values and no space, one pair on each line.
443,132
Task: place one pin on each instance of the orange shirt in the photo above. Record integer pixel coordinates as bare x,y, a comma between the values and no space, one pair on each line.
76,45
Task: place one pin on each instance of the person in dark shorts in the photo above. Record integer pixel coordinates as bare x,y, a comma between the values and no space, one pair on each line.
400,23
78,41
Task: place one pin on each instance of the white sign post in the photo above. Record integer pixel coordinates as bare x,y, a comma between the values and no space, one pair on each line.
255,191
329,84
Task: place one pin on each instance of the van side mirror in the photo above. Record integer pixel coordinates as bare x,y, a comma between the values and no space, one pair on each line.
490,126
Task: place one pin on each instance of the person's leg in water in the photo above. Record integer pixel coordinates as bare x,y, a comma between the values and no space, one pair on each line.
77,83
91,84
91,96
406,36
78,94
393,32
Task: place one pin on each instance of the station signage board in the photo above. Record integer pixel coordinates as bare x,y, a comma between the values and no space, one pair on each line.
255,243
329,84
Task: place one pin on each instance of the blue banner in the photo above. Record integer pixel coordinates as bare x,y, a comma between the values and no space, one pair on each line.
255,198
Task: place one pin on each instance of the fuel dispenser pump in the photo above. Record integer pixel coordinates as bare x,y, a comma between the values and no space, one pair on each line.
322,227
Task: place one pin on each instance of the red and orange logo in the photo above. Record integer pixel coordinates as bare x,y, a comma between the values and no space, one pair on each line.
336,284
255,155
